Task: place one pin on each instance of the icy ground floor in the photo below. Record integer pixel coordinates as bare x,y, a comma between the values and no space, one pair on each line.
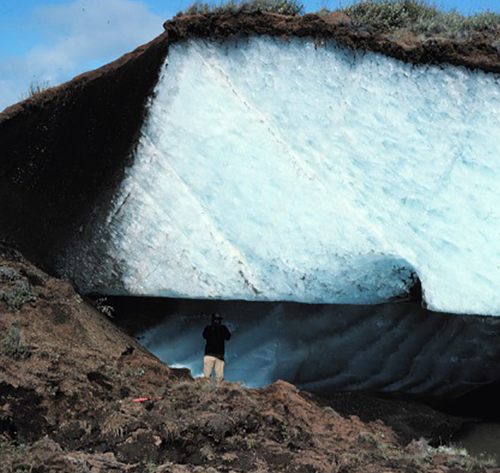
392,348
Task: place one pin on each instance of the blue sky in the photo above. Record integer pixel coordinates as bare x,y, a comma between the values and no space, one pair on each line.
55,40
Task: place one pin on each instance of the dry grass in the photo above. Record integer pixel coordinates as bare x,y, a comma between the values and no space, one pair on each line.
419,16
36,87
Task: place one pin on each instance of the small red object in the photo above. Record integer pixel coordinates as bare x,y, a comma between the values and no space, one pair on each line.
142,399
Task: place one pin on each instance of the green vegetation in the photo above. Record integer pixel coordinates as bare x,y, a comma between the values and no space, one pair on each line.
150,467
14,290
134,372
21,296
283,7
419,16
12,457
12,347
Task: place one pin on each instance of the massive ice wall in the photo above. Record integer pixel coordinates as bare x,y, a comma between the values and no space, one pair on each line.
272,170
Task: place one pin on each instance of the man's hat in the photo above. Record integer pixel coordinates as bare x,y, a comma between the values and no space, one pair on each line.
216,316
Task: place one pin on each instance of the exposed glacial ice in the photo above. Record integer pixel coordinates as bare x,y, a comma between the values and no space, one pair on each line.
292,171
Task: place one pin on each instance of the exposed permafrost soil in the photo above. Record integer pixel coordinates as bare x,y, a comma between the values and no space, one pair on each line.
69,377
477,50
67,384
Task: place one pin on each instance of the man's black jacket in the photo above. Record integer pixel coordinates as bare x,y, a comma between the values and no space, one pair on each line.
215,335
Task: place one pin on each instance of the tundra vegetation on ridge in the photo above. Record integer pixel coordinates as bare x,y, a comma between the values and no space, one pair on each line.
419,16
36,87
283,7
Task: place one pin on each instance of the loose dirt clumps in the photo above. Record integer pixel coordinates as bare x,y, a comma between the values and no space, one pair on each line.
70,406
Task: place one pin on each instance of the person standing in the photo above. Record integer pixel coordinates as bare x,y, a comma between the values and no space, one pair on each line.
216,335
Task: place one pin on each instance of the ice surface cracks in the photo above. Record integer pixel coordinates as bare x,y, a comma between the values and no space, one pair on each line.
217,233
302,167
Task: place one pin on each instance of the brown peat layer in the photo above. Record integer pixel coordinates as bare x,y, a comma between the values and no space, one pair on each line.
63,151
69,377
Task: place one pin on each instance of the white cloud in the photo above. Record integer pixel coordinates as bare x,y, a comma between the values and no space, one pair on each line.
78,36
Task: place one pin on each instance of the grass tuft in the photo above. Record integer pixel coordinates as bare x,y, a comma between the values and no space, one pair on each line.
12,347
36,87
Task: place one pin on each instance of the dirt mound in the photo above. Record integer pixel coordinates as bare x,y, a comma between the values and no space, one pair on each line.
69,380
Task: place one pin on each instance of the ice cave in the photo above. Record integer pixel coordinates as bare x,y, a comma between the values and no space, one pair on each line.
306,190
337,205
391,348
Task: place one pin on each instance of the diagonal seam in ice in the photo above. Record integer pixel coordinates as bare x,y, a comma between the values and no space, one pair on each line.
273,170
